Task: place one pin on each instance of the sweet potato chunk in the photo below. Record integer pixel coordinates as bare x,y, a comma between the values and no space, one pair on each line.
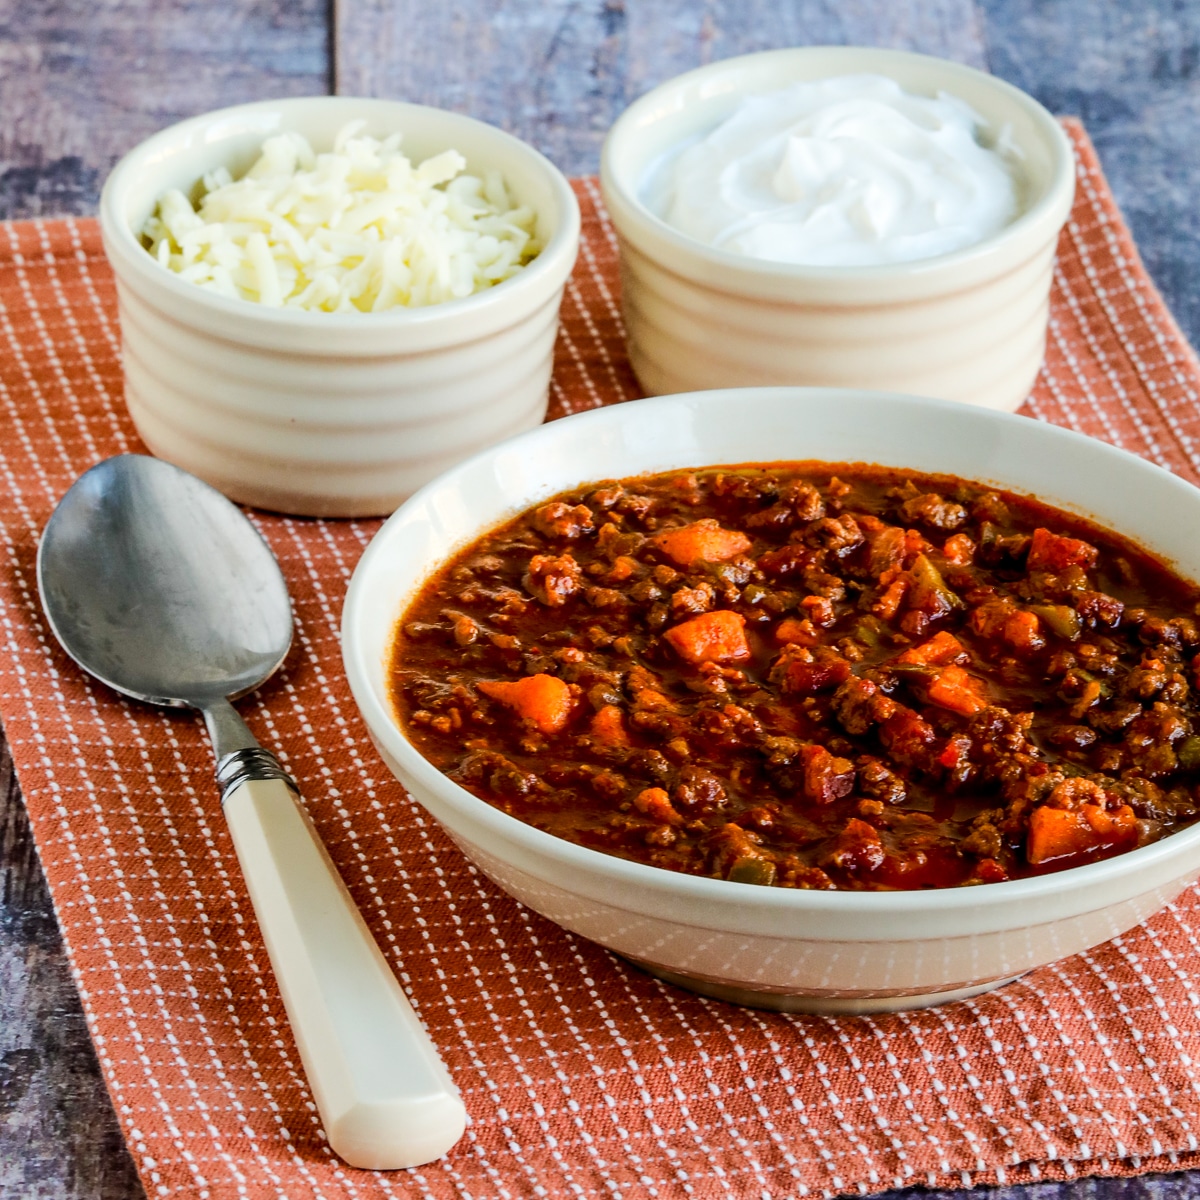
608,726
1058,833
1053,552
954,689
941,649
718,637
791,630
543,700
701,541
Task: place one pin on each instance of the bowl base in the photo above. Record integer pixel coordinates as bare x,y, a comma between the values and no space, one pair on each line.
817,1002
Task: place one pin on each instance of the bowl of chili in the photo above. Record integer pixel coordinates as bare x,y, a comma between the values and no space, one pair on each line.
805,698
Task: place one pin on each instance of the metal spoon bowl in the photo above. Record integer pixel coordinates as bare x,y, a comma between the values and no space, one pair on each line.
162,589
159,587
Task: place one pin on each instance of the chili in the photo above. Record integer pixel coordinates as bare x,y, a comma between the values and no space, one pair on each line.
814,676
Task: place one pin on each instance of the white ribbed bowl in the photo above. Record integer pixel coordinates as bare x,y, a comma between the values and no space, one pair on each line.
330,414
836,951
967,326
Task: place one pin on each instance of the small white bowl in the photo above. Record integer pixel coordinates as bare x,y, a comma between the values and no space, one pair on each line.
776,947
967,326
330,414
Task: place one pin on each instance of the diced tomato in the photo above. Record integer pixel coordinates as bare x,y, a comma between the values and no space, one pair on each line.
826,776
1022,631
914,544
988,619
718,637
543,700
907,736
857,848
806,675
954,752
990,871
650,699
819,610
787,560
959,549
889,603
1054,552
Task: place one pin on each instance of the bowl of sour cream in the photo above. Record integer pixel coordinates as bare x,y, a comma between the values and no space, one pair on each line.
838,216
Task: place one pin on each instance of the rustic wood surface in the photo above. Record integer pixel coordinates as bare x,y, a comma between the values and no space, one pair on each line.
558,72
82,82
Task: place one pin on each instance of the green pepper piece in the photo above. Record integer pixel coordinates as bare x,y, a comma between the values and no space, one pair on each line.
1188,753
1059,619
914,672
1106,688
749,869
927,578
869,631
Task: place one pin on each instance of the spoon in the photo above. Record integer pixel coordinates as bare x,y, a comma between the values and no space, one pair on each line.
159,587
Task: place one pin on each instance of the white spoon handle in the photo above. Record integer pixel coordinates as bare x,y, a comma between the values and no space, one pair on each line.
383,1094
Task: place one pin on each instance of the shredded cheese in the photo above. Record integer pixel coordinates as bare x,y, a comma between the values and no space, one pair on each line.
357,229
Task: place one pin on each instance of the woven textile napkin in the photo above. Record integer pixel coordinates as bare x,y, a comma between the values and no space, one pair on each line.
582,1076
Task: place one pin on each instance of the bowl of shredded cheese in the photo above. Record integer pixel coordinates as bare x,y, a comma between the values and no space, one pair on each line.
326,302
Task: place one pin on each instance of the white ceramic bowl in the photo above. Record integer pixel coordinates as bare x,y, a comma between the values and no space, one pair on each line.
330,414
967,326
833,951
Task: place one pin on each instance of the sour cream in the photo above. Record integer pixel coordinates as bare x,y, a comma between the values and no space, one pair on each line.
848,171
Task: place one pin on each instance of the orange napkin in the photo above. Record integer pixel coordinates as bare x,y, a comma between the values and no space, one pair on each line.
582,1076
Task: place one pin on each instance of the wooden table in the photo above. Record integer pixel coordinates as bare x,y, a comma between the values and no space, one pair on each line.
80,83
